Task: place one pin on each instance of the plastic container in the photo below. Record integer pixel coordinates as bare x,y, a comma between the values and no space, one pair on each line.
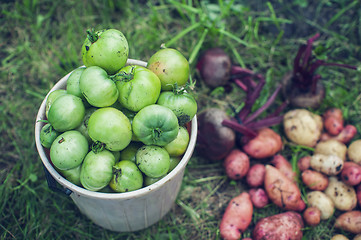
121,212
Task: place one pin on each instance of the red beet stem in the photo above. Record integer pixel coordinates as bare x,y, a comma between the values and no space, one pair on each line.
240,84
251,99
239,128
278,111
240,70
266,122
264,107
308,51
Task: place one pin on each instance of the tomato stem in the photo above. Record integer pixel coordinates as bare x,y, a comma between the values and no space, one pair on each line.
97,147
92,35
123,76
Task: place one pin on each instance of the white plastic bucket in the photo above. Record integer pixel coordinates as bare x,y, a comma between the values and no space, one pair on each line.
121,212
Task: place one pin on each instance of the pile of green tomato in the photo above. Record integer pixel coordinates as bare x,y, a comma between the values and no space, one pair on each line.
119,127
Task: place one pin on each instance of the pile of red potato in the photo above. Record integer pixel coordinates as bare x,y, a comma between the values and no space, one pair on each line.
331,177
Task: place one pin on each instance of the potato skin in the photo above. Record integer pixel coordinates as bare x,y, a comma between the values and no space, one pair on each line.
333,121
331,147
259,197
255,175
345,136
358,195
339,237
349,221
351,173
312,216
283,226
236,164
256,147
314,180
342,195
304,163
282,191
354,151
303,127
237,217
327,164
322,202
281,163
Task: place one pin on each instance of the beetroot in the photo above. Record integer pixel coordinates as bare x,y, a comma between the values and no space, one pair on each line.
215,141
215,67
302,87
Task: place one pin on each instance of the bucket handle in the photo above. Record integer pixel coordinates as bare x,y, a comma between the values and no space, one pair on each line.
53,185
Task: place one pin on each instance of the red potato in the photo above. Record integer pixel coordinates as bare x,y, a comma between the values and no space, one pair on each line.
283,226
237,217
312,216
259,197
333,126
255,175
282,191
345,136
236,164
333,121
349,221
304,163
351,173
284,166
266,144
314,180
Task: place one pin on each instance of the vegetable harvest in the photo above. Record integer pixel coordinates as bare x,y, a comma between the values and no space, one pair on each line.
308,190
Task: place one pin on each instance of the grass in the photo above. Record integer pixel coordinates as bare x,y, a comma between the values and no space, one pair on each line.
40,41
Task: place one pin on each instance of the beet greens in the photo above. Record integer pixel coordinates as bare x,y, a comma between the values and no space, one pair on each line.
302,86
245,120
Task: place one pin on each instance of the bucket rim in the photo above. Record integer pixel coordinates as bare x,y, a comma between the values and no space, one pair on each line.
103,195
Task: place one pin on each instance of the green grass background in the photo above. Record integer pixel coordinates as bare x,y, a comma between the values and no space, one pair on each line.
40,41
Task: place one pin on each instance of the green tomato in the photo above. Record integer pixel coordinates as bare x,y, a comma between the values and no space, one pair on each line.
149,180
107,49
51,98
153,161
116,155
72,175
96,86
72,83
97,170
138,87
66,112
83,128
182,104
179,145
170,66
110,127
68,150
129,152
126,177
155,125
173,163
130,114
47,135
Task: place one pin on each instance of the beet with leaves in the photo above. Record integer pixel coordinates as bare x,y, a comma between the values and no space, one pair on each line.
256,134
301,86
